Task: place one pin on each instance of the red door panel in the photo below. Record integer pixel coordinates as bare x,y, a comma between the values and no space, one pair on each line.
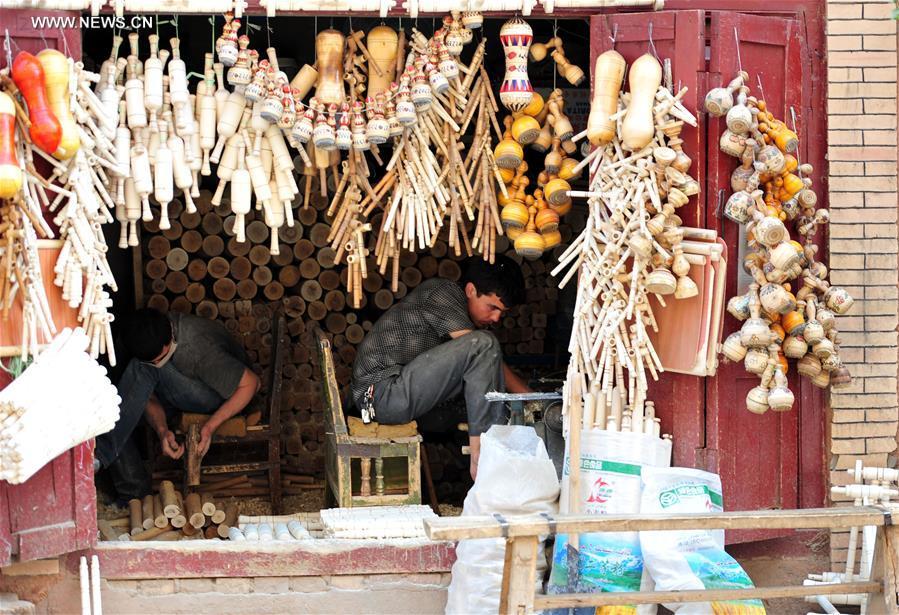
756,456
677,35
55,511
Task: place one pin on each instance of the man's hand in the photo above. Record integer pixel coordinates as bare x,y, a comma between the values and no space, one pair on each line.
170,446
474,469
205,438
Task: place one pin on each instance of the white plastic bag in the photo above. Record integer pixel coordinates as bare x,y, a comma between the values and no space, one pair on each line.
515,477
691,559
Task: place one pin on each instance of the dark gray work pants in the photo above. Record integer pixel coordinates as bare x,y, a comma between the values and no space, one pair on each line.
470,365
116,449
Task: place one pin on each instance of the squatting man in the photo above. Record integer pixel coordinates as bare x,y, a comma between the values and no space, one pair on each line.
430,347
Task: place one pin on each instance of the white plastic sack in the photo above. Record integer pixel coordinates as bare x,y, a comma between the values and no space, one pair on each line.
691,559
515,477
609,484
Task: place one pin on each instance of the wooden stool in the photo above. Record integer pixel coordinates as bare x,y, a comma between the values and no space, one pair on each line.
360,445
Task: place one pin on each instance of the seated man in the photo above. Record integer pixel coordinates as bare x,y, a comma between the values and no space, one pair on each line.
427,349
180,363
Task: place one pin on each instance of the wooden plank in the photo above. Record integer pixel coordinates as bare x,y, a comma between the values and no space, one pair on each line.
455,528
700,595
519,576
376,430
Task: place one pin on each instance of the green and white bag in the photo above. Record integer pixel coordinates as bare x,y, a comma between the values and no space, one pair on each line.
690,559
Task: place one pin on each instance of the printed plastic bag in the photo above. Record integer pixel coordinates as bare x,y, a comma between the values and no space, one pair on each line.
609,484
515,477
691,559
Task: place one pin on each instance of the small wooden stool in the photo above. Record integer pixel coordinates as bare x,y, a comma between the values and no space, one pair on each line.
347,449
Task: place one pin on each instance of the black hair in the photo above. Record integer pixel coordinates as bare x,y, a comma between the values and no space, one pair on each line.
145,333
502,278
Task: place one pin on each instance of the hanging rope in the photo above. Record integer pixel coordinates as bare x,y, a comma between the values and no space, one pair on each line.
652,44
555,34
737,44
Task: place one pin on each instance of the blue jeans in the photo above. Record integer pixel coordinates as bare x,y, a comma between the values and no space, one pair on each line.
175,392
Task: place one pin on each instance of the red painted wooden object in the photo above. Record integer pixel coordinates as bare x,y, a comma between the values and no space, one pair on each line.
56,510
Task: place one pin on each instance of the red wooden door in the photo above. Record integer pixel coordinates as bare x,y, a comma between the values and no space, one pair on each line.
677,35
56,510
759,459
763,460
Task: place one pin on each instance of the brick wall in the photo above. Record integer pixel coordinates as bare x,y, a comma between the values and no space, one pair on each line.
861,108
374,593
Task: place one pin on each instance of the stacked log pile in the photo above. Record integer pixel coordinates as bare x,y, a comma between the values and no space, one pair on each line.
169,516
197,266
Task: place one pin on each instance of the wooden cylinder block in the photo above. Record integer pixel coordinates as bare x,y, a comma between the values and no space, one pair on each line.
195,292
335,322
228,224
294,306
307,216
176,282
190,221
257,232
262,275
373,282
335,300
383,299
427,265
177,259
289,276
303,249
316,310
311,291
174,232
211,224
238,248
158,246
290,234
318,235
329,279
325,257
191,241
259,255
449,270
158,302
284,255
273,291
213,245
224,289
218,267
354,333
439,249
207,309
180,304
247,289
309,268
241,268
196,269
156,269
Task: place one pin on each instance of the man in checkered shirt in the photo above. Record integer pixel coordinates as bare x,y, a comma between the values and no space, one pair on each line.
431,347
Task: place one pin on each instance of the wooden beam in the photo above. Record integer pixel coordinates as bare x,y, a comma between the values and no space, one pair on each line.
555,601
456,528
519,576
